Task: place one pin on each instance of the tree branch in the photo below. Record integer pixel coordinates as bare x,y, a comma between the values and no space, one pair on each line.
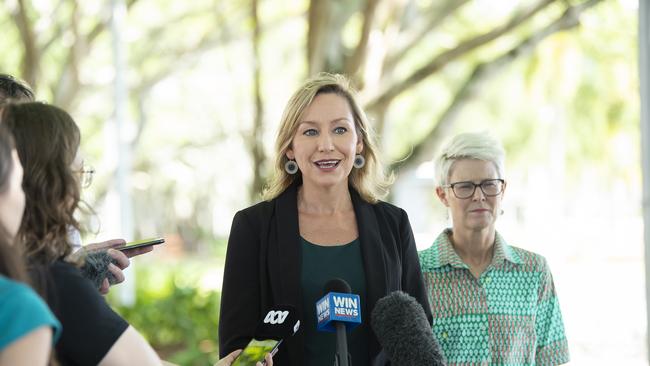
359,56
68,83
256,139
446,57
176,57
58,30
420,30
318,17
30,66
425,149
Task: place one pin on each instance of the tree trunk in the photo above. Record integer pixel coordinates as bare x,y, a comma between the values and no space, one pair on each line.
256,139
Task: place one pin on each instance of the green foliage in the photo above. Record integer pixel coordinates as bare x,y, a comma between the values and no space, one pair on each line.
172,311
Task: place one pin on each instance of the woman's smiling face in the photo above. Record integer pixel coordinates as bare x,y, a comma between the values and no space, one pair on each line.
326,141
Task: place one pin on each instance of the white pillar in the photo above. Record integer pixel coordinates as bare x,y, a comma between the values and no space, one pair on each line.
126,290
644,82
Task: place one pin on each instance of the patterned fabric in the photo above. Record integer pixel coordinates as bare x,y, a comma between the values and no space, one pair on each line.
510,315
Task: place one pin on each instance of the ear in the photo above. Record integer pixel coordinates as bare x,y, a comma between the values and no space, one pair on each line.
290,155
359,145
442,195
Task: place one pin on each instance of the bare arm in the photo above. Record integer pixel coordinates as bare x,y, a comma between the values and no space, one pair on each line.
131,349
30,350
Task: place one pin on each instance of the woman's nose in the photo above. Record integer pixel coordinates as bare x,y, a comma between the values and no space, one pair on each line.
325,143
478,194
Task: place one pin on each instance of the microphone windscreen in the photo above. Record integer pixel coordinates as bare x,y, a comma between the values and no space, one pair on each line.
280,322
95,267
402,329
337,285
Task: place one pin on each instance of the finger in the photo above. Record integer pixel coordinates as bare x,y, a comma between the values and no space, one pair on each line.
117,273
113,243
269,359
103,289
231,357
226,361
137,251
120,259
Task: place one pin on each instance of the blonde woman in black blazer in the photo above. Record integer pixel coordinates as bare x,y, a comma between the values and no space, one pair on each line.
322,217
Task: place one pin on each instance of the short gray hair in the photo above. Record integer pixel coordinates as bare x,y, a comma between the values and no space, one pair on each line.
479,146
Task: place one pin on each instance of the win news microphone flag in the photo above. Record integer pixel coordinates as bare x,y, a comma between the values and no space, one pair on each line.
338,311
338,305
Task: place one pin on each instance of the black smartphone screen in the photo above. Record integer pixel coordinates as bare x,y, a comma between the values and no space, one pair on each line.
141,243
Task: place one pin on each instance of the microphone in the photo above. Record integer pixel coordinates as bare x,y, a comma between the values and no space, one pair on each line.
279,323
404,332
95,267
338,311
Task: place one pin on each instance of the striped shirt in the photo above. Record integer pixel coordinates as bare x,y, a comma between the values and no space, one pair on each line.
510,315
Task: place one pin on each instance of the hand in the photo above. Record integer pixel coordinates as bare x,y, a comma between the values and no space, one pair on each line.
121,259
228,360
268,359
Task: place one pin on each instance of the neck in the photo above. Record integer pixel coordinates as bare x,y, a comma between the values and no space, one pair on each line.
475,247
324,200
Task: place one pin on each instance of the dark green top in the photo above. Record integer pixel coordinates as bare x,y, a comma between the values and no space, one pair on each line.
319,265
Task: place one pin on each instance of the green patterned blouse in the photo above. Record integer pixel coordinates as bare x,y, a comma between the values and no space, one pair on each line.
508,316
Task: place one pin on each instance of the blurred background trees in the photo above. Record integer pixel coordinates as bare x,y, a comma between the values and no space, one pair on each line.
208,79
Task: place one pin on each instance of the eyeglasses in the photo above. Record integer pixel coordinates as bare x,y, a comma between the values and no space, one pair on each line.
86,175
489,187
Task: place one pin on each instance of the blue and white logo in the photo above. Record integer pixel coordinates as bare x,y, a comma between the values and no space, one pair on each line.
341,307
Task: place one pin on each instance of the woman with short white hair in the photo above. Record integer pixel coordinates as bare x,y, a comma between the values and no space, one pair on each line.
492,303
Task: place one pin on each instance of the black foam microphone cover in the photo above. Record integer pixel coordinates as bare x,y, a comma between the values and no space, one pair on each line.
404,332
95,267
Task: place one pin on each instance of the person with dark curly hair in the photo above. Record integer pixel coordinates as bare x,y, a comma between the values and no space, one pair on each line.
14,89
28,326
47,142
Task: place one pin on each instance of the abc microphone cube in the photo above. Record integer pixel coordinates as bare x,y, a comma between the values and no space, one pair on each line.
281,321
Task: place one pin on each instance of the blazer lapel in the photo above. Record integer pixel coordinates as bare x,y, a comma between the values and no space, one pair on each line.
286,268
371,249
288,247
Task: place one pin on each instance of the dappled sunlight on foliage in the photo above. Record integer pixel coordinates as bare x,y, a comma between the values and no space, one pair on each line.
174,313
555,80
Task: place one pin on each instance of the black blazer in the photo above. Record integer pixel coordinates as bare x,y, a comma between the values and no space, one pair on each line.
263,264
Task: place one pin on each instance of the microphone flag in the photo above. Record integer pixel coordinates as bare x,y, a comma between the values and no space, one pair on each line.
338,307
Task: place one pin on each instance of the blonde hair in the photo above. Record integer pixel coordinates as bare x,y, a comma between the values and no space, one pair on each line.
370,181
479,146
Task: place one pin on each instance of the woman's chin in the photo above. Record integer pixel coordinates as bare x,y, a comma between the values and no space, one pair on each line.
328,181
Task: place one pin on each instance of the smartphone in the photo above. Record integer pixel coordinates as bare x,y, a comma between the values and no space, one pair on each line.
255,352
141,243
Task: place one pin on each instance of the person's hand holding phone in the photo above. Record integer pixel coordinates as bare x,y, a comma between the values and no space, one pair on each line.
120,259
228,360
